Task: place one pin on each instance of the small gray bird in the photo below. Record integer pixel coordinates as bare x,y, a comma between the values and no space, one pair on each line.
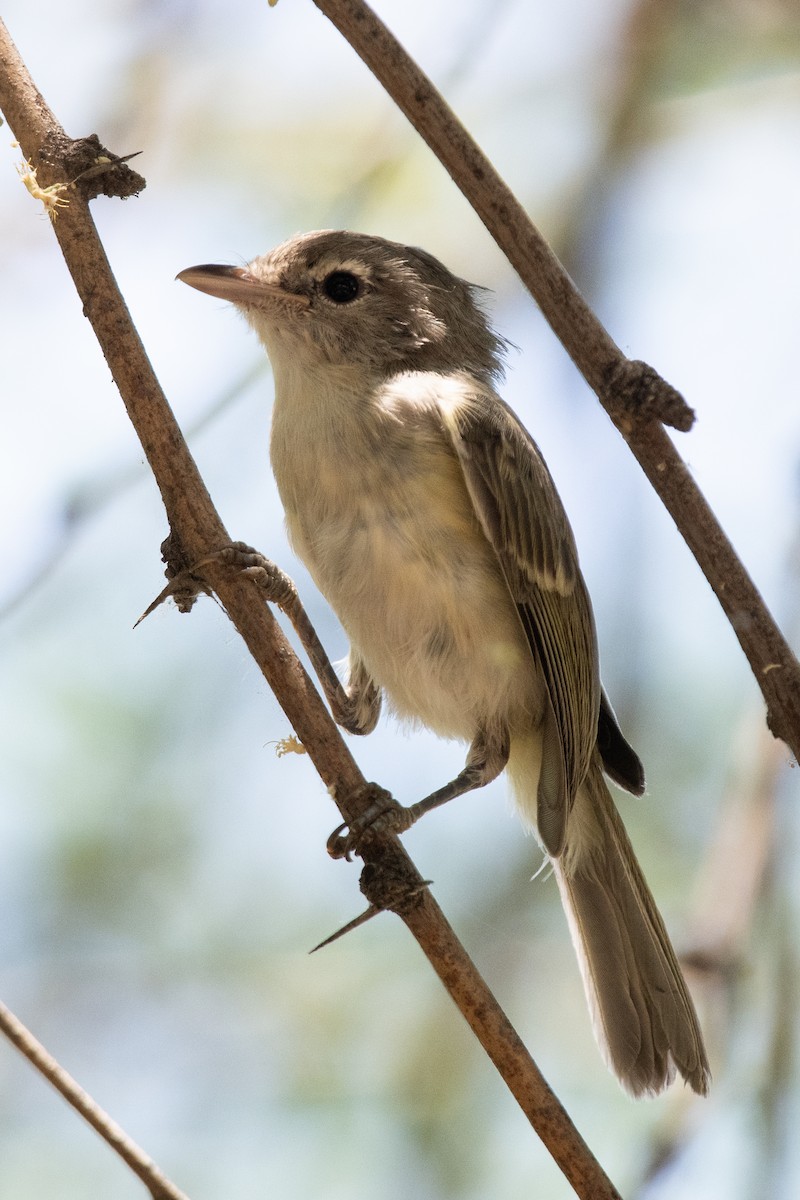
427,516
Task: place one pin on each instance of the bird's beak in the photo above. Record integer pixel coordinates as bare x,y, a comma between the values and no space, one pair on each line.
238,285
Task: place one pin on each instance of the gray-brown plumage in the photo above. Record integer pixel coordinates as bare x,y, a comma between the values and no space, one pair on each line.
427,516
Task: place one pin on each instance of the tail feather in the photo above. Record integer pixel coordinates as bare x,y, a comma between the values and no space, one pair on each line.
642,1013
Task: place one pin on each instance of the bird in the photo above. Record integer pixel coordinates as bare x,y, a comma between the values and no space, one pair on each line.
427,516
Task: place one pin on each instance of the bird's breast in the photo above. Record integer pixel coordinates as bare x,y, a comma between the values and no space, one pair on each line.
383,521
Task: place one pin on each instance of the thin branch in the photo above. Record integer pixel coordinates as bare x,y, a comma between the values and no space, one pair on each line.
719,929
643,44
198,532
152,1177
631,394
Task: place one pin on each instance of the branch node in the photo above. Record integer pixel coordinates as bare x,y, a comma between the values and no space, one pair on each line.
389,887
183,586
639,392
392,885
87,165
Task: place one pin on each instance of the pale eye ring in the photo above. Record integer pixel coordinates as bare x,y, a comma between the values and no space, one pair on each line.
342,287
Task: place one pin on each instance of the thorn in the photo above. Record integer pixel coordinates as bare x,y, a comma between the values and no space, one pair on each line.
160,598
361,919
184,587
105,162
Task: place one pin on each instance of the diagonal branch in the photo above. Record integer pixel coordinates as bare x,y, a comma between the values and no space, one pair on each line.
631,393
155,1181
197,532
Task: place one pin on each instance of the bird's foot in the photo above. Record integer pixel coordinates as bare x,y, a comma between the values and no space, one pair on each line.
383,815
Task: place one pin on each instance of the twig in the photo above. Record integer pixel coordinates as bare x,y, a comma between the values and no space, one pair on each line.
152,1177
642,47
620,385
198,531
719,927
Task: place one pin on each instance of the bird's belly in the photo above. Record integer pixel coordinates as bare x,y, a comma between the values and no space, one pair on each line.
420,593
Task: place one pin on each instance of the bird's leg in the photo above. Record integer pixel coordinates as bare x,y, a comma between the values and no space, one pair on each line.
355,707
487,756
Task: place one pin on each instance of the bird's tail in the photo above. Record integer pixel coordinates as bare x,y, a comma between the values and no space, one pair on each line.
643,1016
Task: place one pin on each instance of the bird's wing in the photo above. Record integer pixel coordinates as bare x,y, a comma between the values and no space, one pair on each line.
524,520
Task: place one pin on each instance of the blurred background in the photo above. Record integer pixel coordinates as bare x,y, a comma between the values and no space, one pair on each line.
162,871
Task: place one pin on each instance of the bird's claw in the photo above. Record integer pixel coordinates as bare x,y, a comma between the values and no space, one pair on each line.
274,583
383,815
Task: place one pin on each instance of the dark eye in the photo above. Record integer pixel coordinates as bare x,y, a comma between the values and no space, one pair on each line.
341,286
